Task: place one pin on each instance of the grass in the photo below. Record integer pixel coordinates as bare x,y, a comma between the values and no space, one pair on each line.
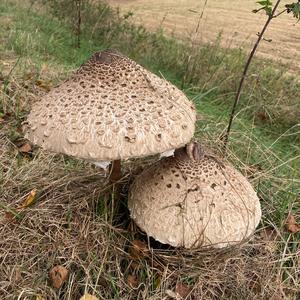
72,223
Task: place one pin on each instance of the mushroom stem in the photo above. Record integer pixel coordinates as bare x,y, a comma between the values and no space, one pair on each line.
115,171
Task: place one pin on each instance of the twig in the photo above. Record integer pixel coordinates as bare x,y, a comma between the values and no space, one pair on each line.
282,12
238,94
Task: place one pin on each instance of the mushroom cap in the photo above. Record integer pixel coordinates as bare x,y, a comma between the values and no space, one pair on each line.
190,202
112,108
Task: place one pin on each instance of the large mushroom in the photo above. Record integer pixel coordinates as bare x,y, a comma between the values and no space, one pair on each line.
111,109
194,199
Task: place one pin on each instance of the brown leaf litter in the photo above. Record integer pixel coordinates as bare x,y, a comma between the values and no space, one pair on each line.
58,275
291,224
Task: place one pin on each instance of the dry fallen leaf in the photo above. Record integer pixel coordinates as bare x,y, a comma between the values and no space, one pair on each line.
182,290
88,297
9,217
58,275
10,214
26,148
139,245
39,297
138,249
29,199
291,224
132,281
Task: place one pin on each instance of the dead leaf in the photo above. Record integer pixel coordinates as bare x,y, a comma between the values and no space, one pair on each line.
39,297
263,116
1,120
132,281
291,224
58,275
10,214
182,290
26,148
9,217
29,199
88,297
138,250
139,245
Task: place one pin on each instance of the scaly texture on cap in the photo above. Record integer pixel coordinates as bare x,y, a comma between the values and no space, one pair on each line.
194,200
112,108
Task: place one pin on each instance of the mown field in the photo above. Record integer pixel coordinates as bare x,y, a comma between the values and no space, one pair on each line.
235,21
70,221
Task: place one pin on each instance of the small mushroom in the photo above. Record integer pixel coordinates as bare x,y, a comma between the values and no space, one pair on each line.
194,199
111,109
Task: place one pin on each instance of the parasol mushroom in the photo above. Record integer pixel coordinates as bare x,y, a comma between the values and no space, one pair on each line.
194,199
111,109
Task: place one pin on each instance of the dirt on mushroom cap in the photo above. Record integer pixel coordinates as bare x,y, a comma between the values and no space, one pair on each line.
112,108
189,203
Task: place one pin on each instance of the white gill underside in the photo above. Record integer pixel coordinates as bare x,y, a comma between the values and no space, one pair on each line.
104,164
167,153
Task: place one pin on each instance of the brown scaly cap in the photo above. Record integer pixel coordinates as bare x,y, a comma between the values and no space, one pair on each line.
112,108
194,200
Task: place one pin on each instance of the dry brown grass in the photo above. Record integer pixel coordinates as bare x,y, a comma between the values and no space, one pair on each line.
236,21
73,224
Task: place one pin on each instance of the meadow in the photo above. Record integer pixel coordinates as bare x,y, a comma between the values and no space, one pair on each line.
72,223
236,22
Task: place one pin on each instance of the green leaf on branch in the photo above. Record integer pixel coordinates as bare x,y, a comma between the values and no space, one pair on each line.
268,10
295,9
266,6
265,3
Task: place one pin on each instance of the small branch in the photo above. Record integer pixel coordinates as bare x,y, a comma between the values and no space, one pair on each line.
257,10
282,12
238,94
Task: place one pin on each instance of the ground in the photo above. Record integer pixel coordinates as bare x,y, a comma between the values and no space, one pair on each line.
237,24
54,210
